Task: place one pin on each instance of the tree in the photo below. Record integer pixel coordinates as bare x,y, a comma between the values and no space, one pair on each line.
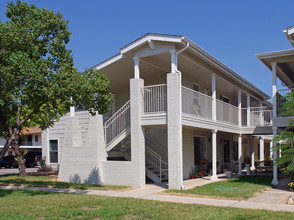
38,80
285,140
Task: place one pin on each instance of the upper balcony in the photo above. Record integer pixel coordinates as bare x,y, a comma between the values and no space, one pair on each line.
198,106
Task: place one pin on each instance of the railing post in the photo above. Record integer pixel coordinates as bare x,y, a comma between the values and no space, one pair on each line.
274,76
240,107
248,110
261,113
213,90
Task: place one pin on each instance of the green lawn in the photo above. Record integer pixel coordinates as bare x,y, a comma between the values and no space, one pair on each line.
25,204
236,188
48,181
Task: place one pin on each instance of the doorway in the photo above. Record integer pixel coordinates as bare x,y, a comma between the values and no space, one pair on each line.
226,144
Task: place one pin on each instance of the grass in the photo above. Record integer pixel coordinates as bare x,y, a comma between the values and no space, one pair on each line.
49,181
236,188
25,204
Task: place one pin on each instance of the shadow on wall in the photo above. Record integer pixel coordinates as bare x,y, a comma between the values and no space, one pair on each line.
93,177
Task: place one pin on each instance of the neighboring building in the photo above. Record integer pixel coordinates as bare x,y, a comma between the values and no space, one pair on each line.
163,122
32,141
281,63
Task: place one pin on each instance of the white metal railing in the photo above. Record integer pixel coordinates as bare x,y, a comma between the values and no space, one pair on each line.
259,116
153,162
164,157
155,98
117,123
196,103
226,112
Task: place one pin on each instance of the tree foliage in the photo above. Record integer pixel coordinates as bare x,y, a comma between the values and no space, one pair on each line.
285,140
37,73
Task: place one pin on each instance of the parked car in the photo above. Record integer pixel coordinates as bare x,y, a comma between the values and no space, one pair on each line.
32,159
8,161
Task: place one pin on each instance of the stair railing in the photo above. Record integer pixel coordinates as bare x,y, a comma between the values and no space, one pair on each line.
117,123
153,160
161,152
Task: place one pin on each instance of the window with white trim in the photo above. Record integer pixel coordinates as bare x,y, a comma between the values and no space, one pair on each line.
53,151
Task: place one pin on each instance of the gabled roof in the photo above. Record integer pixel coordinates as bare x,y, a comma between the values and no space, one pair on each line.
194,48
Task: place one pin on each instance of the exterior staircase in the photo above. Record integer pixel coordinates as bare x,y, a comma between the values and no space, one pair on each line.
117,127
117,131
156,168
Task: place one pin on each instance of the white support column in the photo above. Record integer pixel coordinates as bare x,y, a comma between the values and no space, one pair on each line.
136,67
137,132
240,154
72,111
174,61
248,110
252,154
261,113
214,158
174,133
271,150
275,168
274,76
261,150
240,107
248,153
213,89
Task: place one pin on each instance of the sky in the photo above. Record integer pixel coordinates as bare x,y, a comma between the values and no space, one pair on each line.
230,30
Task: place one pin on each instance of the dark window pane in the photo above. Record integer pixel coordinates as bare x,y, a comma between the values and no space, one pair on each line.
53,145
53,157
53,150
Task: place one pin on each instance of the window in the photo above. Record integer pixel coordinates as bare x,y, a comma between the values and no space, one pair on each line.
196,87
225,99
53,151
36,138
199,150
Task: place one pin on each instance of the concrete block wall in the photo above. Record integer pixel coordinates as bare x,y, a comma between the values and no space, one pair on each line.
81,162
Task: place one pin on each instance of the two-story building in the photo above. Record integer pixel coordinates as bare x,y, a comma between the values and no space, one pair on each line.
176,107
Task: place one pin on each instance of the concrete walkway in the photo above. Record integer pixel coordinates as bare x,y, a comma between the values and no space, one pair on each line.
273,199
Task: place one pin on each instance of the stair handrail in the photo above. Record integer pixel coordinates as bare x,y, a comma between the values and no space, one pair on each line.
155,145
158,158
122,112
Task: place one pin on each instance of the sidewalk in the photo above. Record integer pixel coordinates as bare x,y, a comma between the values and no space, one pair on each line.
269,200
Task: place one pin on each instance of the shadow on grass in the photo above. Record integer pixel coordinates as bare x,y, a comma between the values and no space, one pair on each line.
18,181
260,180
8,192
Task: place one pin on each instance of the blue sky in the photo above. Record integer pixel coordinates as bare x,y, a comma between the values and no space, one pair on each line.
231,30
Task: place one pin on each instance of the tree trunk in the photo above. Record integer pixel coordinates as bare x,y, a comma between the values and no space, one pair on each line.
21,160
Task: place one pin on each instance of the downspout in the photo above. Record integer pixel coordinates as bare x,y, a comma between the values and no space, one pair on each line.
180,100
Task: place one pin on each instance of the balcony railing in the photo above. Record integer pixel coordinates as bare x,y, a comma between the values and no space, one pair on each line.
200,105
226,112
281,99
155,99
259,116
196,103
